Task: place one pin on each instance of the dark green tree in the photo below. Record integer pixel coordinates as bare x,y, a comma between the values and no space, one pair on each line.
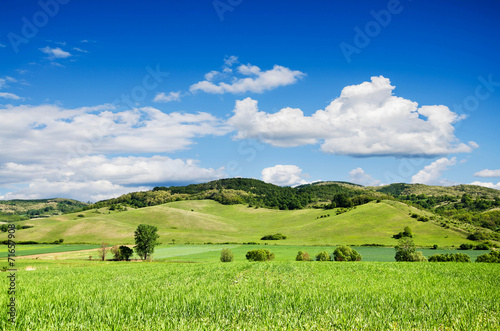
406,251
145,240
323,256
126,253
346,253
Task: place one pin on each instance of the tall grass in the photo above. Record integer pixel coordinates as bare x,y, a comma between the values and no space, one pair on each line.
257,296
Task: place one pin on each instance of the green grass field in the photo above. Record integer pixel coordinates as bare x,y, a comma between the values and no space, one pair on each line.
24,250
211,253
200,221
85,295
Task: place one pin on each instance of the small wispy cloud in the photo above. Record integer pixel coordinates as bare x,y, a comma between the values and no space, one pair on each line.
55,53
5,80
80,50
2,45
10,96
172,96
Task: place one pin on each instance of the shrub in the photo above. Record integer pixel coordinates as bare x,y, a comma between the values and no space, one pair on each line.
346,253
405,234
457,257
116,252
323,256
491,257
481,247
226,255
81,215
477,236
405,251
302,256
260,255
465,247
125,252
435,247
423,219
277,236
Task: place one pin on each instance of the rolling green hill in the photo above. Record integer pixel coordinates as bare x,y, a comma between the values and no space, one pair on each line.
18,210
201,221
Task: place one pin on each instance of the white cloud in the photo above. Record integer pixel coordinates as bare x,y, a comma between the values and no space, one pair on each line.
487,184
49,131
431,174
283,175
5,80
359,176
82,191
488,173
230,60
259,82
80,50
99,177
55,53
211,75
365,120
2,45
172,96
11,96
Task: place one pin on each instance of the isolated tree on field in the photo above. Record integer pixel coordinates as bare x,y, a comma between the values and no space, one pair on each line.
406,251
102,251
145,240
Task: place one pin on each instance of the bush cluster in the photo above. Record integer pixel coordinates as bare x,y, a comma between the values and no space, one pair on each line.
477,236
481,247
405,234
491,257
465,247
277,236
457,257
346,253
260,255
303,256
323,256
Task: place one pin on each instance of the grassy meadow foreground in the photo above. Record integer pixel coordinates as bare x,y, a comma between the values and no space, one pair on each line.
91,295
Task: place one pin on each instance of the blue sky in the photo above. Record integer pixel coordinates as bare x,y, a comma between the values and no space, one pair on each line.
102,98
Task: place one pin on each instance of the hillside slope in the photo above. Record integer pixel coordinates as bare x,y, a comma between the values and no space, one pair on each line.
200,221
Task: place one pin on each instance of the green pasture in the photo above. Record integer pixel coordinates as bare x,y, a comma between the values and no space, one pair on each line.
24,250
202,221
91,295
